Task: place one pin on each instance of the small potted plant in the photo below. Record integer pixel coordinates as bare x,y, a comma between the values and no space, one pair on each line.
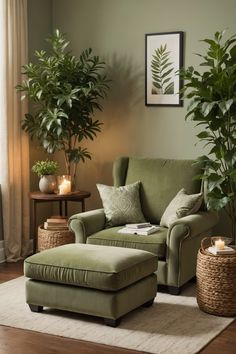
46,170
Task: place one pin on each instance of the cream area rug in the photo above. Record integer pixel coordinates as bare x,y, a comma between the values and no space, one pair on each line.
174,324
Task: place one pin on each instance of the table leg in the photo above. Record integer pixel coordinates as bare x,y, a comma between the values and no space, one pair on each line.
60,207
66,211
34,227
83,205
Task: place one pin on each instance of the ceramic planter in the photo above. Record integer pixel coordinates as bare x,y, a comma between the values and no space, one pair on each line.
48,184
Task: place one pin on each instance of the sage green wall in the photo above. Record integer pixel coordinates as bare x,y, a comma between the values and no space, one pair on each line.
39,28
115,30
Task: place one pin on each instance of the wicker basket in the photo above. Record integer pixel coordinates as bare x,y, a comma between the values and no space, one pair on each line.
53,238
216,282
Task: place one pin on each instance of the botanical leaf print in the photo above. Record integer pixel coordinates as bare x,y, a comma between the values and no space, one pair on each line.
162,69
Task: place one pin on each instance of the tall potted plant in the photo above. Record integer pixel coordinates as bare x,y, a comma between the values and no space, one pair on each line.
66,92
212,106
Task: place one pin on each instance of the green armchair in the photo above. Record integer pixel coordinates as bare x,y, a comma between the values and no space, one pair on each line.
176,246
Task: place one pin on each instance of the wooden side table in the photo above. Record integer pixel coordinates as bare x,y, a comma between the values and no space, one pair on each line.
38,197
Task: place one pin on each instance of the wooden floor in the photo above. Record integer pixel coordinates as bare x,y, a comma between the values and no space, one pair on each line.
18,341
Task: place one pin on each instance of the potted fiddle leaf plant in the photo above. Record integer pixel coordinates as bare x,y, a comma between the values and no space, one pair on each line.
212,107
46,170
66,92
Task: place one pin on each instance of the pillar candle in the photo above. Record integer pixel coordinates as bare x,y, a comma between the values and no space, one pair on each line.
219,244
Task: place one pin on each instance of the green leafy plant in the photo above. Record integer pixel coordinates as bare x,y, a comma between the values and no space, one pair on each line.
45,167
212,106
66,92
162,72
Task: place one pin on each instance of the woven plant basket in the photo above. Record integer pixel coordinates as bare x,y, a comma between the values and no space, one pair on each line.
216,281
53,238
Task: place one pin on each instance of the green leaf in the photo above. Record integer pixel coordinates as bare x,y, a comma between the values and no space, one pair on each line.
213,106
225,105
207,107
66,91
169,90
193,104
233,53
217,204
214,180
203,135
209,41
161,68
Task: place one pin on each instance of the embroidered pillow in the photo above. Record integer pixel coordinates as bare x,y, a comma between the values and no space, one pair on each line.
121,204
181,205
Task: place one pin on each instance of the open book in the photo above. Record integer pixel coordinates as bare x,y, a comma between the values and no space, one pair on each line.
139,231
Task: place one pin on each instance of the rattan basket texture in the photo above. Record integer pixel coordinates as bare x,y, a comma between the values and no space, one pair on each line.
53,238
216,282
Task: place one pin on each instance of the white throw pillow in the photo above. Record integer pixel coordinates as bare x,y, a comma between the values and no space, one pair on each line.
182,204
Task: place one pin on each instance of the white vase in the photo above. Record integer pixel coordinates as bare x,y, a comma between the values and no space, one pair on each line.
48,184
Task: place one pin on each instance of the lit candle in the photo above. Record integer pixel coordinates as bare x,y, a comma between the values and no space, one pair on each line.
64,187
219,244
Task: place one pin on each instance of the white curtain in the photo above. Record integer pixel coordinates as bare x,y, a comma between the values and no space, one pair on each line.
14,149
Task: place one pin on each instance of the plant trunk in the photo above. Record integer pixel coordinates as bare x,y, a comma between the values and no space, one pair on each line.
231,212
233,230
71,170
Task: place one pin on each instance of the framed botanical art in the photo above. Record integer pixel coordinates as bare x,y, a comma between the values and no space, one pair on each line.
163,59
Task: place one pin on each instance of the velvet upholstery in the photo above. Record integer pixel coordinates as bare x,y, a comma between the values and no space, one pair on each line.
91,266
161,179
95,280
176,246
107,304
121,204
155,243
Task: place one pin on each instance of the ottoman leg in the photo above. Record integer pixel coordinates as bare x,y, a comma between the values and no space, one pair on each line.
35,308
148,303
112,323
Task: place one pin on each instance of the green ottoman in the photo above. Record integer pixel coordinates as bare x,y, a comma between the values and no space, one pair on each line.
96,280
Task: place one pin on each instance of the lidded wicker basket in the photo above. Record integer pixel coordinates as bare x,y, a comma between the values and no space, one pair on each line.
53,238
216,281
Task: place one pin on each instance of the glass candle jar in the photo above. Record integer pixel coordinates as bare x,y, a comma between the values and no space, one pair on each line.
64,184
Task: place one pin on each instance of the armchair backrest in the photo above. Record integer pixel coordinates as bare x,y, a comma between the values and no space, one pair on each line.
161,180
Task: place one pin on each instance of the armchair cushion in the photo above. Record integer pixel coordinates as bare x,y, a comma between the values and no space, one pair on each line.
181,205
160,180
154,243
121,204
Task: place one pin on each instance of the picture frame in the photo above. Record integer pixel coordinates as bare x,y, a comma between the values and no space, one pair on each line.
163,60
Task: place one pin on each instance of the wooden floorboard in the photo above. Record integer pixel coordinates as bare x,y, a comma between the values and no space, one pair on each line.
19,341
10,271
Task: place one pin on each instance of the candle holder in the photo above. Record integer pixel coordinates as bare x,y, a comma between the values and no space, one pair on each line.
220,242
64,184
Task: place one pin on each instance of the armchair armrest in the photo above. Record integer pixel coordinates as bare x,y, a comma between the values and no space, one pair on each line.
87,223
193,225
183,241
